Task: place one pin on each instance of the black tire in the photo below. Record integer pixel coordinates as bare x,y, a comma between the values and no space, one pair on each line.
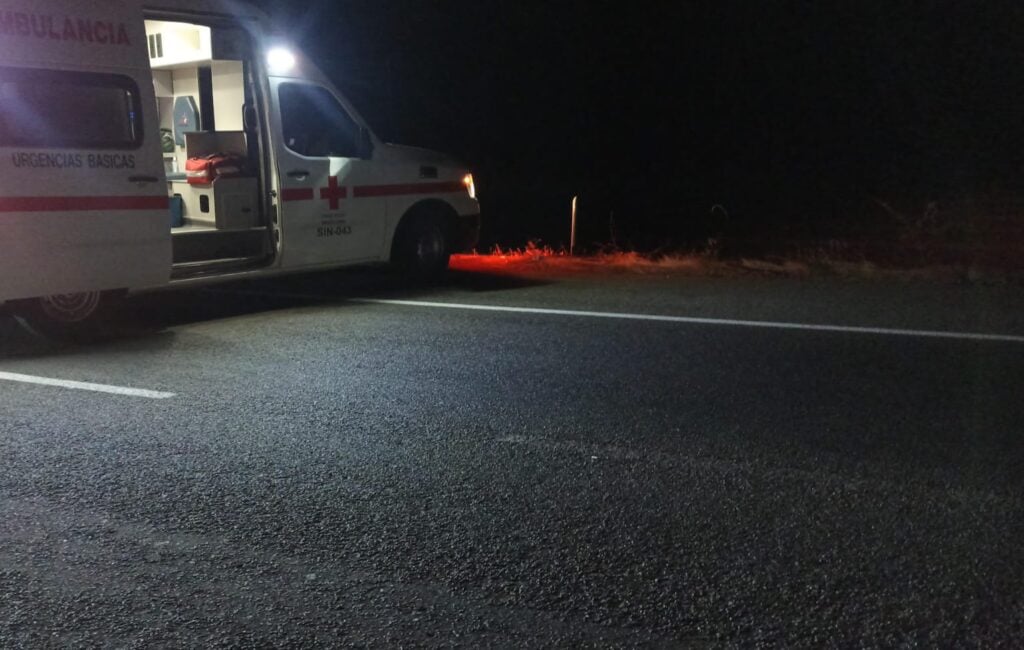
77,317
422,248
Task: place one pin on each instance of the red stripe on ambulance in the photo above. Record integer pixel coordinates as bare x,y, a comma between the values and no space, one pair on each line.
81,203
297,194
407,188
333,192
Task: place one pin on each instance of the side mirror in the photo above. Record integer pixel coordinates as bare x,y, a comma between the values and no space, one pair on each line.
365,143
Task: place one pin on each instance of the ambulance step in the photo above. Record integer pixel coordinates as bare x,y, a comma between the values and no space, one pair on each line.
202,245
214,267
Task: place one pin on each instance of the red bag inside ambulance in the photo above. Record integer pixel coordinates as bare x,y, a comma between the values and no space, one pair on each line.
204,170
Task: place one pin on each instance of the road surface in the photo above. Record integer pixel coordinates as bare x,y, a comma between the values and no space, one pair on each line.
506,461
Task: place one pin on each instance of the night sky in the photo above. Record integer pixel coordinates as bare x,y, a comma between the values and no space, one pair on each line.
797,117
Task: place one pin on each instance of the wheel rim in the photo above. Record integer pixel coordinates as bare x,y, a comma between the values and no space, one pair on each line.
430,247
70,307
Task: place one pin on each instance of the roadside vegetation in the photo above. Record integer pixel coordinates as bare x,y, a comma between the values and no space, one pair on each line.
975,239
920,254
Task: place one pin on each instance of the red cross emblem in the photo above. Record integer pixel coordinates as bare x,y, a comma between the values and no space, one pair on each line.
332,192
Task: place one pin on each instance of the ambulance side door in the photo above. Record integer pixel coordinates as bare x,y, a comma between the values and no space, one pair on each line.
317,145
83,195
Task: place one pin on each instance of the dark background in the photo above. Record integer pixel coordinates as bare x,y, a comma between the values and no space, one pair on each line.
799,119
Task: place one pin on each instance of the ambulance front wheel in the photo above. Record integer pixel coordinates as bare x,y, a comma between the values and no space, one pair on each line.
422,248
85,316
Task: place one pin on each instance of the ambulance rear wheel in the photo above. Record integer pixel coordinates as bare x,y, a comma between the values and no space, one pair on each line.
84,316
422,249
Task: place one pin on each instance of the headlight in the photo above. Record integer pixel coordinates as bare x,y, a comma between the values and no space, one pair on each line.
467,180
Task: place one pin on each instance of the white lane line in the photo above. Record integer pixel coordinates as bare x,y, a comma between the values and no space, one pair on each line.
82,385
968,336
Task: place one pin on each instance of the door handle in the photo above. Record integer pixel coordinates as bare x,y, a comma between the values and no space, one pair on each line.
142,179
298,173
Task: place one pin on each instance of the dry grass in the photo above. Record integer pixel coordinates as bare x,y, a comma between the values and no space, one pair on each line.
544,260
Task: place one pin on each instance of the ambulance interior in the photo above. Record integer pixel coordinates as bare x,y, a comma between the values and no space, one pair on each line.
202,81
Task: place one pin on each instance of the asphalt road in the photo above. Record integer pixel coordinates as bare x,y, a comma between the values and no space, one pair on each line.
329,471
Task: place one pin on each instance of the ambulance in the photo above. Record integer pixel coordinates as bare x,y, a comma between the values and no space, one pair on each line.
180,142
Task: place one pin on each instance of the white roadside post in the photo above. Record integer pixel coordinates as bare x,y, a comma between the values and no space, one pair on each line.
572,229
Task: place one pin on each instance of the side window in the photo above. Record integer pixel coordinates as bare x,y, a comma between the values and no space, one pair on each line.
315,124
56,109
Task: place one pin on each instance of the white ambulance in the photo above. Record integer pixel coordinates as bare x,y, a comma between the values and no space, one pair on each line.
181,142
